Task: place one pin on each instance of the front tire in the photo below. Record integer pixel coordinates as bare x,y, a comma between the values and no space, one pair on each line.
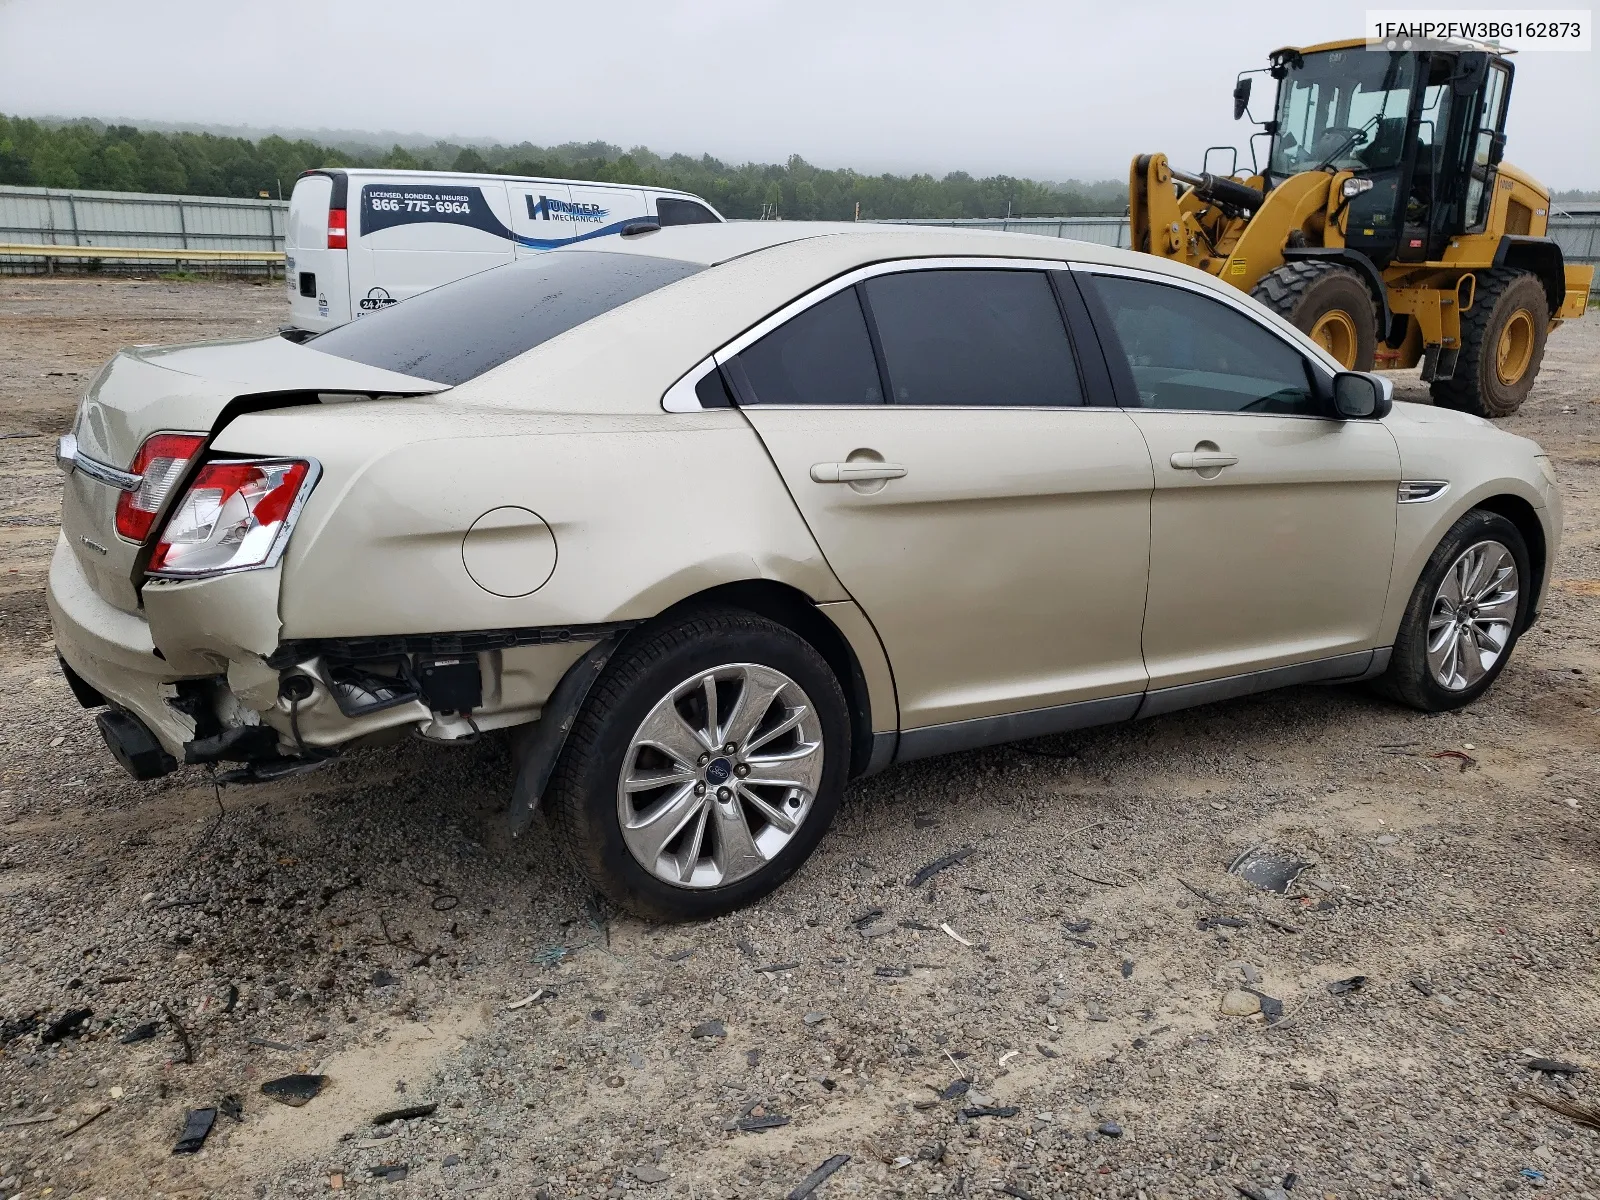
1464,617
704,767
1328,303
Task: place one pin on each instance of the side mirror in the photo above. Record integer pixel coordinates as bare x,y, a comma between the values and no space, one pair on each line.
1241,97
1358,396
1497,149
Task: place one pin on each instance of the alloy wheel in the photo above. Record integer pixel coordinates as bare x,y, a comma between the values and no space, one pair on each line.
720,775
1470,623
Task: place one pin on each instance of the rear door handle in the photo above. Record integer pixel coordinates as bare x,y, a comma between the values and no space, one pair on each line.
1202,460
855,472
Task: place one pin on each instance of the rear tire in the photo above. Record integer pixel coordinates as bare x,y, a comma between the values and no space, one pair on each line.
714,833
1438,660
1502,345
1329,304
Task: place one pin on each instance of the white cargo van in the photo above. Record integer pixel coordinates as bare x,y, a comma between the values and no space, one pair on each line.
359,240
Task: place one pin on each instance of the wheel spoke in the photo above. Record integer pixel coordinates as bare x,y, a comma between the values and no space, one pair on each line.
772,813
1491,636
1468,656
734,850
667,731
691,855
650,832
798,768
649,782
782,727
713,735
756,694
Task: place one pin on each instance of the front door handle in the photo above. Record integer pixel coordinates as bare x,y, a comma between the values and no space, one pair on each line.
855,472
1202,460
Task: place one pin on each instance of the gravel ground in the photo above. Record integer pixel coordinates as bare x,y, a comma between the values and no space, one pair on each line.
1048,1016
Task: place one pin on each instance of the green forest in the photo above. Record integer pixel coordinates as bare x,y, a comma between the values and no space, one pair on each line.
91,154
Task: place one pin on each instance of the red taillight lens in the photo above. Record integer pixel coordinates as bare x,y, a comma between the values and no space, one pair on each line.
337,230
236,515
161,461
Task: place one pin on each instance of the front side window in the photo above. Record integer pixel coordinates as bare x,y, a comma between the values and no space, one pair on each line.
821,356
1189,352
1342,108
973,338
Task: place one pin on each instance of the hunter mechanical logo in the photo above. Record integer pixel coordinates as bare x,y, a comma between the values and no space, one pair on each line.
547,209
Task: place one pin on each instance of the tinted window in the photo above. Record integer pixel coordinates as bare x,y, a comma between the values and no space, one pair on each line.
683,212
973,338
1191,352
457,332
822,356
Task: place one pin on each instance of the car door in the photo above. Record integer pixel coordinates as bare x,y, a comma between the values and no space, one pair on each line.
1272,524
930,422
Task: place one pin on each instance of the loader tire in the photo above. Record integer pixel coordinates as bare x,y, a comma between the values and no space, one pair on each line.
1330,304
1502,345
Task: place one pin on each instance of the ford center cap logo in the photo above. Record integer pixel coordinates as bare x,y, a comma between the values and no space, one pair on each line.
719,771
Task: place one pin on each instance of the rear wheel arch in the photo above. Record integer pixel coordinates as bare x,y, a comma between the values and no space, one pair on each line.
790,607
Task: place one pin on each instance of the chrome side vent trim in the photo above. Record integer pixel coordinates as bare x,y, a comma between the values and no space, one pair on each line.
1420,491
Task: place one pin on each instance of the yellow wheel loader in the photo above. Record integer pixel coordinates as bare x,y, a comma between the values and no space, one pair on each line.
1385,223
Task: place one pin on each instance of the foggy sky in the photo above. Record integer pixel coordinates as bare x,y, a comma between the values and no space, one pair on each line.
1021,87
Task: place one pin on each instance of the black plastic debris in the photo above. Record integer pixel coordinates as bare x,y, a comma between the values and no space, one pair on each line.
391,1172
294,1090
232,1107
140,1033
959,1087
405,1114
1046,1051
892,972
988,1110
942,863
1271,1006
382,977
752,1057
1268,868
68,1024
10,1031
1343,987
757,1124
709,1029
1017,1190
1206,923
774,968
233,999
813,1181
1078,926
196,1128
1109,1129
680,955
1551,1066
746,947
866,918
1422,985
1127,968
1084,942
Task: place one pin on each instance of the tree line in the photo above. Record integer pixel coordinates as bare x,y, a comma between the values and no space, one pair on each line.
122,158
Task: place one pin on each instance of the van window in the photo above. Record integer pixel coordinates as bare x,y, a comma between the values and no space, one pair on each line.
458,331
683,212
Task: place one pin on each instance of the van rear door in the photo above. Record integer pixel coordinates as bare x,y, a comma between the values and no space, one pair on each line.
407,236
318,279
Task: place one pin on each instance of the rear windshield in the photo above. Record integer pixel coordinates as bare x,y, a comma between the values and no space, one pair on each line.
457,332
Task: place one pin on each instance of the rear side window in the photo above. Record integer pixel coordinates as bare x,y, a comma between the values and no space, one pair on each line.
973,338
1190,352
683,212
821,356
457,332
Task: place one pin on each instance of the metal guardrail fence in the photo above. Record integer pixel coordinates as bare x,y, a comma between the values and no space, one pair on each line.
124,222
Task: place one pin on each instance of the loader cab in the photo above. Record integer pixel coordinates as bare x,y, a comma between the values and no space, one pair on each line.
1422,130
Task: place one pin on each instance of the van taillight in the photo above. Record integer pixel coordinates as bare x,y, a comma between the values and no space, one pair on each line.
337,239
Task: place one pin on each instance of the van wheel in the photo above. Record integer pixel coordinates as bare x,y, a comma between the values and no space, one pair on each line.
705,766
1465,615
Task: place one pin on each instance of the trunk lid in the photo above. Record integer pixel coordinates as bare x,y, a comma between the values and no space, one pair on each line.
184,389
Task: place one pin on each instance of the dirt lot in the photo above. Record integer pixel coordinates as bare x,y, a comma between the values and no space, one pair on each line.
373,923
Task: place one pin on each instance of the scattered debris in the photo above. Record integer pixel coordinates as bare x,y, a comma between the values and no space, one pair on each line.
232,1001
1046,1051
773,968
332,890
1209,923
1583,1112
957,1088
1551,1066
867,917
757,1124
1530,1173
943,862
17,1122
945,925
10,1031
1267,868
1127,968
1078,926
525,1001
1422,985
892,972
814,1017
1343,987
196,1128
183,1035
383,977
1008,1056
1109,1129
813,1181
648,1173
1271,1006
405,1114
269,1044
68,1025
140,1033
1466,760
987,1110
1280,926
87,1121
745,947
1011,1189
294,1090
232,1107
709,1029
391,1172
680,955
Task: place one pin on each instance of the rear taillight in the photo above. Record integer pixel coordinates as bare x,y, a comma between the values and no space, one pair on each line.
160,463
236,515
337,230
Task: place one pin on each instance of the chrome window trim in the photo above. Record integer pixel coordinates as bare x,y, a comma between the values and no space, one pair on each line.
1420,491
680,397
70,459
